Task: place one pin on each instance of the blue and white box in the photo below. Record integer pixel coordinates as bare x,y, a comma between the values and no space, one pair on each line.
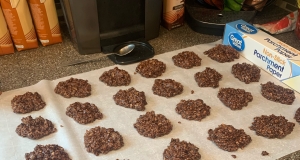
272,55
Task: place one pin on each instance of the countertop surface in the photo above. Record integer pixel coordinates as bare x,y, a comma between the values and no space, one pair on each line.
28,67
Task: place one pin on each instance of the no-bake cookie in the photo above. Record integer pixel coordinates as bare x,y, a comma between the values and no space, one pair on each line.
73,87
246,73
153,125
181,150
27,102
186,59
131,98
235,99
100,140
167,88
48,152
83,113
277,93
272,126
228,138
222,53
115,77
151,68
192,109
208,78
35,128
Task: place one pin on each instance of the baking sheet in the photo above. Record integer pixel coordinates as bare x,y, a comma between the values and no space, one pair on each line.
70,134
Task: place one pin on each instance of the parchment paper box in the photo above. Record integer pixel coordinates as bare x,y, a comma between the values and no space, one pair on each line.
272,55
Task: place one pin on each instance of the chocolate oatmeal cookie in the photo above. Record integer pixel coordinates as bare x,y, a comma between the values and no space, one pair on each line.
167,88
272,126
297,115
208,78
27,102
235,99
153,125
277,93
48,152
131,98
181,150
222,53
35,128
228,138
115,77
246,73
187,59
100,140
83,113
193,109
73,87
151,68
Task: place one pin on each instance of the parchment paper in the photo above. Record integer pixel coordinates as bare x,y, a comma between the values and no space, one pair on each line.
70,134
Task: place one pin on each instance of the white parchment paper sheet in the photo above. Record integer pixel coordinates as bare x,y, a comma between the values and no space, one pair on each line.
137,147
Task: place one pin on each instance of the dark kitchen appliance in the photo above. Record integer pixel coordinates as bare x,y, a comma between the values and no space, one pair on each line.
204,19
102,25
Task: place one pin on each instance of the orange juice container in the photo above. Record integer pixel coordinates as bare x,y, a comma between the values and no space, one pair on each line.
6,45
45,20
18,19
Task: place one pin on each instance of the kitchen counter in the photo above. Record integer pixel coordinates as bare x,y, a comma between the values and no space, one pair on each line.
28,67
